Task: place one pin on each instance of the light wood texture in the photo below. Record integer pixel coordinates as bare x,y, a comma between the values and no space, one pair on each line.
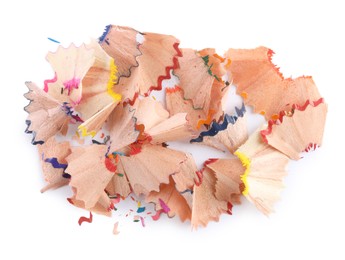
263,86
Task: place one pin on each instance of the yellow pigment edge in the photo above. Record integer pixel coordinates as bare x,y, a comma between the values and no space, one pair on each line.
84,132
246,163
112,80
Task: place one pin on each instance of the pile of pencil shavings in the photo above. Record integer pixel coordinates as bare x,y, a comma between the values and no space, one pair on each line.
99,130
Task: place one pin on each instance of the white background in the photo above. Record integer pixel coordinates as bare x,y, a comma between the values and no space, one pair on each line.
308,38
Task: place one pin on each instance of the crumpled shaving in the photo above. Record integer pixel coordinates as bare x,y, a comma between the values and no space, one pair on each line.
106,90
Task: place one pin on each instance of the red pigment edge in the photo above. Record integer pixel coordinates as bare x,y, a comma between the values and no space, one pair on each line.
229,208
162,77
264,133
85,219
173,90
210,161
110,165
131,101
134,149
167,70
200,176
